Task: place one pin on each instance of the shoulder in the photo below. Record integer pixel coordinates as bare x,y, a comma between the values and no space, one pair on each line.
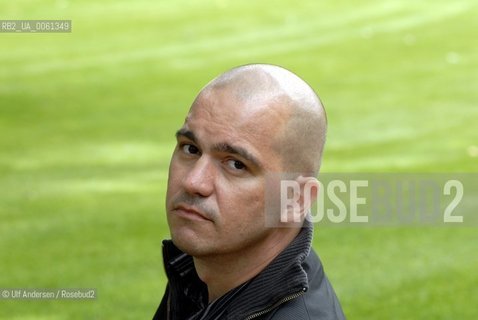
295,309
303,308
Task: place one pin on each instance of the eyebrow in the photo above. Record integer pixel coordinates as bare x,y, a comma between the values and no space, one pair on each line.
186,133
222,147
236,150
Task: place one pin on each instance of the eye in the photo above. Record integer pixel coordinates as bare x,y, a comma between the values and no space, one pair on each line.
235,164
189,148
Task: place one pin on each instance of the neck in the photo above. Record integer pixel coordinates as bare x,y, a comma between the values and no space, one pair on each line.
224,272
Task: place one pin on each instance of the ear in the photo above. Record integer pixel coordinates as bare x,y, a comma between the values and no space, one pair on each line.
297,206
309,189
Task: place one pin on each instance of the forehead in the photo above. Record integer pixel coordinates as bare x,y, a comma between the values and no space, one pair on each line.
219,116
225,106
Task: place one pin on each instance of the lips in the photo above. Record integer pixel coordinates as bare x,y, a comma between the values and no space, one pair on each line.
188,212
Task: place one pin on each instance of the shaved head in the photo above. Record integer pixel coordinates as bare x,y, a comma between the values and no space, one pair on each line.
280,96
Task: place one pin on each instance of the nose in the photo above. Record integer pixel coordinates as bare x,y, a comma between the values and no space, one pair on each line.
200,178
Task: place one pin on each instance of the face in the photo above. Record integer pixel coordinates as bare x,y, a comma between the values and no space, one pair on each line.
217,176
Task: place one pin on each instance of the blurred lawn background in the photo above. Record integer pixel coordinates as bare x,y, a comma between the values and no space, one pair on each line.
87,121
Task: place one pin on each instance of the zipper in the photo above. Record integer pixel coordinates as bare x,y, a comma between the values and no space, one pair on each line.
275,305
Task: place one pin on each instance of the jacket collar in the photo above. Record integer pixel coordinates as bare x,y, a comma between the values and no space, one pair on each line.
187,293
283,277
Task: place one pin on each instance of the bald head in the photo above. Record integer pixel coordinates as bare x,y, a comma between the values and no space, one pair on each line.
297,111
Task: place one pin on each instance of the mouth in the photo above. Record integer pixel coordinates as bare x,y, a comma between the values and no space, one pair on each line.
190,213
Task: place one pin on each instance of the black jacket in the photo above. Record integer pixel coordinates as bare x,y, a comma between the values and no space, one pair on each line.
292,287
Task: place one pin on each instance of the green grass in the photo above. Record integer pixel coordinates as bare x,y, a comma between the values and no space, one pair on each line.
87,122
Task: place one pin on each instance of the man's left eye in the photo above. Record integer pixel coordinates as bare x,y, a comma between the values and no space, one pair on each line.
236,164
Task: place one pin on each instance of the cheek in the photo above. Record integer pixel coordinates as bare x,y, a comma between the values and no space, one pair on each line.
256,199
174,177
245,203
243,219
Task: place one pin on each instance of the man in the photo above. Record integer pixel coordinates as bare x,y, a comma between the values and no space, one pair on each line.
246,129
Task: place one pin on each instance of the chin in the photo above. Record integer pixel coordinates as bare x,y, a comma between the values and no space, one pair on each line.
187,241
